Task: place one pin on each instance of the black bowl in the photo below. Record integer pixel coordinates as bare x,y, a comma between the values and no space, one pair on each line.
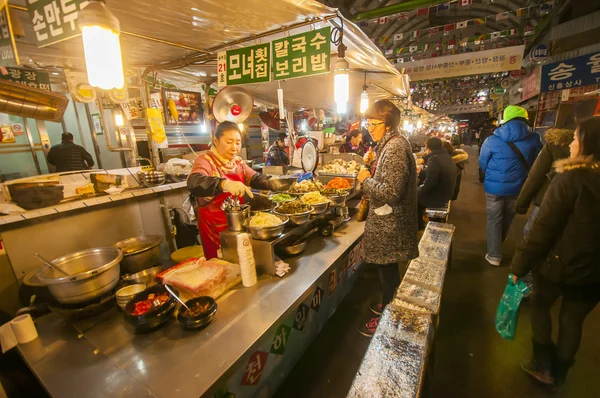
154,318
199,321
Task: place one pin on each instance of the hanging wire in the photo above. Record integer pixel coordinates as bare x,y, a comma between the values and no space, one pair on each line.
337,34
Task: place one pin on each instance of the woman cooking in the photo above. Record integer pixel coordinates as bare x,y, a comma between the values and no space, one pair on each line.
217,175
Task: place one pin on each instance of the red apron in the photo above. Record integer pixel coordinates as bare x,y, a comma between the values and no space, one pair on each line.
212,220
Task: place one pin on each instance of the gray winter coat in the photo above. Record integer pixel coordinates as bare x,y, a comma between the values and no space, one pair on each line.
391,226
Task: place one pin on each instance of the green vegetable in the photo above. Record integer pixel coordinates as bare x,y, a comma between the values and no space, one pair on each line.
282,197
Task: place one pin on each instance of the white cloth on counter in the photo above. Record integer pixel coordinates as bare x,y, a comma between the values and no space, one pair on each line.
246,257
281,268
7,337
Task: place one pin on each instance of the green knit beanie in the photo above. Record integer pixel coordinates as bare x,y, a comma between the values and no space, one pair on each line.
513,111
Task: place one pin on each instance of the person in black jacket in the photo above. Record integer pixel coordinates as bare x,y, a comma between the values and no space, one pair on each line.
68,156
440,178
277,155
563,251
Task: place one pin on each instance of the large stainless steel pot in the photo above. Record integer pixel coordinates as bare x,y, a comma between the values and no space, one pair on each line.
93,272
139,253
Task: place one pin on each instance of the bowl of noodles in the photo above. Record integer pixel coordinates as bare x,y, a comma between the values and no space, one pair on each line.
318,202
265,226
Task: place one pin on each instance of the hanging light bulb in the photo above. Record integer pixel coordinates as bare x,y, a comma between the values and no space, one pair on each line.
119,120
405,124
100,31
341,84
364,97
419,124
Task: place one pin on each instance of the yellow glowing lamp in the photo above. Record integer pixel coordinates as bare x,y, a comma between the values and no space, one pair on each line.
100,31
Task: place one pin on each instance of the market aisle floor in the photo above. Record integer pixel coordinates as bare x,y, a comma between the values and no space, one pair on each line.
471,359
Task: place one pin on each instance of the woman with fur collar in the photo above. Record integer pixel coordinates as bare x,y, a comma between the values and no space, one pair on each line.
563,251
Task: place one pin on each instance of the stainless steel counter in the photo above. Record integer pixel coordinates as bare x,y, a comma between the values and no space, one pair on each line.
103,357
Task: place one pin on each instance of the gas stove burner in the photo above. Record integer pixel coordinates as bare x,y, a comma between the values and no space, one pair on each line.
85,310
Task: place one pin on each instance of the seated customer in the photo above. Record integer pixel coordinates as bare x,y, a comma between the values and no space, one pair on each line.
353,143
440,178
277,155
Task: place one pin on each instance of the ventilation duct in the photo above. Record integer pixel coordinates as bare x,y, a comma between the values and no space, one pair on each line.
19,100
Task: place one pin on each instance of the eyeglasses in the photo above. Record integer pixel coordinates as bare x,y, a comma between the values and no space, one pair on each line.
373,125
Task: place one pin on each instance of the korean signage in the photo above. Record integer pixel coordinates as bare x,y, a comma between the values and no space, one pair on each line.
303,54
245,65
8,48
539,53
531,84
132,108
461,108
571,73
473,63
54,20
26,77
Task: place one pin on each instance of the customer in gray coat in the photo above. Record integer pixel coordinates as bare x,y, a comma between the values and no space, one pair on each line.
390,239
440,180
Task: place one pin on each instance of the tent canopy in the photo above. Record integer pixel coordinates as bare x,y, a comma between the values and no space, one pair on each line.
199,26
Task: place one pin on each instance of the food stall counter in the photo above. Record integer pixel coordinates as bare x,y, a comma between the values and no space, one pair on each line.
247,339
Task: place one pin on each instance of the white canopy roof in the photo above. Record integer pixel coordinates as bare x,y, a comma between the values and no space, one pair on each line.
206,24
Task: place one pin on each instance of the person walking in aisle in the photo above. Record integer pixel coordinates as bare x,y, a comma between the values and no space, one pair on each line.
440,178
563,251
506,157
391,227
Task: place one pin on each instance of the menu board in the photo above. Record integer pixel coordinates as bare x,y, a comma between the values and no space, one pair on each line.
303,54
54,20
8,48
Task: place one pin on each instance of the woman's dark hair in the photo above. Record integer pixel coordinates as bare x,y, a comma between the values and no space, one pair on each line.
588,134
353,134
384,110
281,137
226,126
434,143
448,146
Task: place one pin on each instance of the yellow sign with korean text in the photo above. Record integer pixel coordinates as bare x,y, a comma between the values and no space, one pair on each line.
473,63
156,125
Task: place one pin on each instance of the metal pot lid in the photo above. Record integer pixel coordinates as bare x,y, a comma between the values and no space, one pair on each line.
309,157
31,279
138,244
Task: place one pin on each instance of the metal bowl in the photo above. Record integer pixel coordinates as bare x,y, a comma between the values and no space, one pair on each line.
254,212
125,294
266,233
147,276
139,253
320,208
337,200
282,183
296,218
294,197
292,250
93,272
151,178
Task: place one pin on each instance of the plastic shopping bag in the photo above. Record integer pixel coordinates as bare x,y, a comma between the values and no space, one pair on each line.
508,310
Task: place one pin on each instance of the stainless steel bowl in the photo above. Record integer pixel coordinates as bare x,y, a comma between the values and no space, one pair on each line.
139,253
266,233
93,272
151,178
337,200
320,208
147,276
291,250
296,218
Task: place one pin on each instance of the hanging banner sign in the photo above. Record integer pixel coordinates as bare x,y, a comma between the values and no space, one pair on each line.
26,77
132,108
248,65
304,54
480,62
8,48
461,108
54,20
571,73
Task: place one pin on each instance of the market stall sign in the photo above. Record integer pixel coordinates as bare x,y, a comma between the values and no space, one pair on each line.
539,53
460,109
8,48
54,20
244,65
304,54
574,72
531,84
26,77
480,62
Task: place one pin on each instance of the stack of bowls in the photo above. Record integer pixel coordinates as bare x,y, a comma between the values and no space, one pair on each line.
125,294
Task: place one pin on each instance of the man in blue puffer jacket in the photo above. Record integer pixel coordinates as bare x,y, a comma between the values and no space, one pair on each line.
505,158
